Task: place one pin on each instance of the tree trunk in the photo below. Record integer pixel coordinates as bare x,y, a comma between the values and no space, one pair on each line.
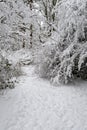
31,26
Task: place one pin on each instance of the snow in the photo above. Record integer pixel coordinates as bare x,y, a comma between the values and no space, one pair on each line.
37,105
20,56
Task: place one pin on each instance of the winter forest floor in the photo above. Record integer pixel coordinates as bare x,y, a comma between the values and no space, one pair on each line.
37,105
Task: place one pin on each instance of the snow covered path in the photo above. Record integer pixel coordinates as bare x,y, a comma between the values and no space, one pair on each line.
36,105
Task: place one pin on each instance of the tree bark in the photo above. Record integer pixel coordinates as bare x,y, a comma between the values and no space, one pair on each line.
31,26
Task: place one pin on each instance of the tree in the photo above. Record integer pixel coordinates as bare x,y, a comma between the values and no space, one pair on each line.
67,59
47,10
30,4
15,22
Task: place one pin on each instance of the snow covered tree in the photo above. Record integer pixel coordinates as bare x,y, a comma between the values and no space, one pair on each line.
19,28
16,19
47,8
35,20
68,59
30,5
9,40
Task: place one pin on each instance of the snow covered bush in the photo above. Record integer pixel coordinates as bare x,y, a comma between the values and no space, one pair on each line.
8,73
68,60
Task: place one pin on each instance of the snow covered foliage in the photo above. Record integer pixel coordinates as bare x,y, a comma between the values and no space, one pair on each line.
68,60
8,73
15,20
46,8
11,38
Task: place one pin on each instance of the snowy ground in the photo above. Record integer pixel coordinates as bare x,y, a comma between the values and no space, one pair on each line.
36,105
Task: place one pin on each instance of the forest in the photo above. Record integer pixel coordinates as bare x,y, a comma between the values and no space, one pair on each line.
44,42
54,32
